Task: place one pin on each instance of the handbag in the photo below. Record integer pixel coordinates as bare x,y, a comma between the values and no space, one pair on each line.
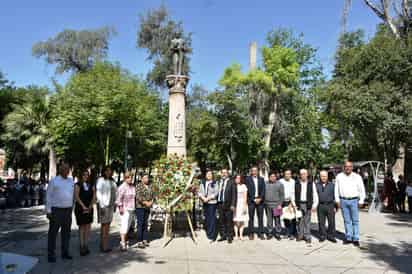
289,213
277,211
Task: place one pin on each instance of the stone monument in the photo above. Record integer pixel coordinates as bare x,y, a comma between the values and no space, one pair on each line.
177,82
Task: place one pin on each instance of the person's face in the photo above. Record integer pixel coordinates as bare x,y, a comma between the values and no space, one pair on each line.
323,177
288,175
254,171
225,173
347,168
237,180
64,170
272,178
108,173
303,175
209,176
128,179
145,180
85,176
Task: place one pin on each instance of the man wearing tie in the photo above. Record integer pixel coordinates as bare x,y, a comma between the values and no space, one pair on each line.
226,206
256,194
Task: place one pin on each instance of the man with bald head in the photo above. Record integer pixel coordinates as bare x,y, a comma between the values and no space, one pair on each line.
326,208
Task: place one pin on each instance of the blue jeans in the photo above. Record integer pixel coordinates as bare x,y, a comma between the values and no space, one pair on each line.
142,214
210,220
350,213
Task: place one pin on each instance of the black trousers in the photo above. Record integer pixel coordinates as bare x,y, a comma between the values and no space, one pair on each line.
401,202
290,225
259,210
326,211
210,220
410,204
225,221
142,216
61,218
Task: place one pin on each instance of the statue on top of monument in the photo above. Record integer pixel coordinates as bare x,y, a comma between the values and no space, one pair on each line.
178,48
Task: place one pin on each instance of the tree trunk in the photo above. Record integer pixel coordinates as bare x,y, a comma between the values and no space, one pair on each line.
268,129
52,164
229,162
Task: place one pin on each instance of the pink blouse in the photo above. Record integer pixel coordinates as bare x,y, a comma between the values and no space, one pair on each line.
126,195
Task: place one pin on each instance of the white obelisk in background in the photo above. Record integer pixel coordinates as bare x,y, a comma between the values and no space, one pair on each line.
176,143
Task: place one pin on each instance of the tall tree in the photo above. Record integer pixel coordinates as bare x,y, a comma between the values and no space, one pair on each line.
95,110
75,51
157,29
27,134
396,14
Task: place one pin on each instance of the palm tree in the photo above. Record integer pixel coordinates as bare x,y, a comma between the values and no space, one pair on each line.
27,126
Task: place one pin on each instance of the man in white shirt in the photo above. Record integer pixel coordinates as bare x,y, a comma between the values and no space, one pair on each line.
289,186
306,200
60,197
349,193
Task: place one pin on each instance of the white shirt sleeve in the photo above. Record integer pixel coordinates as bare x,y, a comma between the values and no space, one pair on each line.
49,196
99,190
292,191
337,199
315,197
361,190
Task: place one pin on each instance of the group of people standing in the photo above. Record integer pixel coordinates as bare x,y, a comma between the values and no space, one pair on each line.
132,202
229,205
239,199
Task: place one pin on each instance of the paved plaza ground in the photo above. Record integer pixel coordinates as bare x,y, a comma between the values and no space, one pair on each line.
386,248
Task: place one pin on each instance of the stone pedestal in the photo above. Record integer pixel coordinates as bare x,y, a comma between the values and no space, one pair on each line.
176,141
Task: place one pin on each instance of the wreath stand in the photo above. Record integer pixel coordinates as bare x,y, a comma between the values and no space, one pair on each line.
168,233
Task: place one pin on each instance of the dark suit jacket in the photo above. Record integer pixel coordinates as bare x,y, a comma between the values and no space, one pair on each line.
230,195
251,189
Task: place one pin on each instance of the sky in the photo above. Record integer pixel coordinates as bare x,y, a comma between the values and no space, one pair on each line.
222,31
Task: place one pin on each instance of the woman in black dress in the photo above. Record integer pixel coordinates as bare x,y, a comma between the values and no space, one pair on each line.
85,195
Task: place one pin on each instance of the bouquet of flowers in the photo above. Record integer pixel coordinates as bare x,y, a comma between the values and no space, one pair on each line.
174,183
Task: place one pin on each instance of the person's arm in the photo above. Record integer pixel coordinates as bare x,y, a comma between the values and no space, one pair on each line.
77,197
282,194
98,191
361,190
245,195
337,199
120,198
234,197
315,197
263,190
292,195
93,198
202,192
49,197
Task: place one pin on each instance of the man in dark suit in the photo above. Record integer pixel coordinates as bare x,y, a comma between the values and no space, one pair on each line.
255,198
226,201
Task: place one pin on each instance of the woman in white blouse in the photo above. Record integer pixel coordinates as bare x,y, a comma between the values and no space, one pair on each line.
106,197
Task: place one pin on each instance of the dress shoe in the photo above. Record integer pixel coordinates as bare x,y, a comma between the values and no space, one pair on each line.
83,251
67,257
291,237
261,237
321,240
51,259
146,243
251,237
269,237
333,240
347,242
222,239
141,245
299,238
308,241
229,241
356,243
277,237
